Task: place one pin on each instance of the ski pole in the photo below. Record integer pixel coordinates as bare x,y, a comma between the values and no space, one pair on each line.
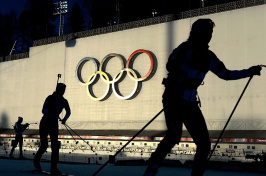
78,136
128,142
71,134
68,127
229,118
58,76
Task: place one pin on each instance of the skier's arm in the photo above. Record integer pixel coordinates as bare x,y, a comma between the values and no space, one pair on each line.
45,106
219,69
174,62
68,112
171,63
21,127
25,126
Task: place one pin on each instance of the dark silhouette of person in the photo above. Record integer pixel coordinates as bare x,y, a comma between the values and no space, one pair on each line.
53,106
187,66
19,129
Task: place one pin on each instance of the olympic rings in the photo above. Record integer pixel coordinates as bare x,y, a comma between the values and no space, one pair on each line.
151,67
106,59
112,82
80,66
135,88
89,91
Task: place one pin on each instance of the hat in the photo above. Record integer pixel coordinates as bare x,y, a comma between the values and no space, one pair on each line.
202,25
20,119
60,88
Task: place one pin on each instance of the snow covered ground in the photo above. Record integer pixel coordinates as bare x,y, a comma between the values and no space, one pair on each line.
11,167
84,164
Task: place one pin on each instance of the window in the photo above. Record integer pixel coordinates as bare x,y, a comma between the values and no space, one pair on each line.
109,143
182,145
121,143
132,144
218,146
253,147
235,147
98,142
145,143
248,147
187,145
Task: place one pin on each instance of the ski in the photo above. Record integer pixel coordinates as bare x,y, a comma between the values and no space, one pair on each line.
62,174
47,173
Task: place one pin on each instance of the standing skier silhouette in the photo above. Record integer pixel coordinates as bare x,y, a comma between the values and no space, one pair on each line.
187,66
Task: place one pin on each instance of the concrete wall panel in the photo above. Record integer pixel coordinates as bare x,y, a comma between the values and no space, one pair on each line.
238,40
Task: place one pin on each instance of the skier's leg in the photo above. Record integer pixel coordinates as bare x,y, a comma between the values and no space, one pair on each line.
55,148
172,137
197,128
44,144
11,152
20,141
14,145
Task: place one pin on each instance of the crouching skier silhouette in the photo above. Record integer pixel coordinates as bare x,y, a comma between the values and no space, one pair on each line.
53,106
187,67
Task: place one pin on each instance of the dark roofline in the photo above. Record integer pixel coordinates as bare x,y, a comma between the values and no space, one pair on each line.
151,21
14,57
141,23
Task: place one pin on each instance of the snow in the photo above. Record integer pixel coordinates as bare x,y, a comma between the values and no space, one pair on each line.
13,167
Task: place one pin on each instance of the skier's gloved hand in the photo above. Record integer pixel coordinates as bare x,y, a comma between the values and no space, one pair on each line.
254,70
64,121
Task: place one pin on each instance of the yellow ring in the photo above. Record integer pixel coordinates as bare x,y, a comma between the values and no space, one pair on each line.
88,88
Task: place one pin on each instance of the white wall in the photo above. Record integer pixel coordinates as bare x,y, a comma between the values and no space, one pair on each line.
238,40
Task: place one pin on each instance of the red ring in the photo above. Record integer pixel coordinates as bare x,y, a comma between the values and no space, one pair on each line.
151,67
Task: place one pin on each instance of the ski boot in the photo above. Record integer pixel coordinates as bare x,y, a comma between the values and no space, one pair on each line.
55,171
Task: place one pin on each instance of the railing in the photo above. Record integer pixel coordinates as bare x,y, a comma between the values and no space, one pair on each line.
14,57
